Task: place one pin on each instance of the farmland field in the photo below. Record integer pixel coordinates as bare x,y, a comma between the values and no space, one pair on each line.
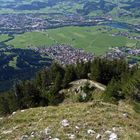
95,39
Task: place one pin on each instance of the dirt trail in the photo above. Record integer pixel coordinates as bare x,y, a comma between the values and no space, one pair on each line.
96,84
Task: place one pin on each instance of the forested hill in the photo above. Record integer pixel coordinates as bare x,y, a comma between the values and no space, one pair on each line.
87,107
123,83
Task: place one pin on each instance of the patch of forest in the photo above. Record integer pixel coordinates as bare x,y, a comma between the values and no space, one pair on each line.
123,84
20,64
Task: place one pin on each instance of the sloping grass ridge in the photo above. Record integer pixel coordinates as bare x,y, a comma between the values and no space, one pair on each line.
85,121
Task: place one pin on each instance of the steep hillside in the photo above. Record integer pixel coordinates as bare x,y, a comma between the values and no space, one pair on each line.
79,121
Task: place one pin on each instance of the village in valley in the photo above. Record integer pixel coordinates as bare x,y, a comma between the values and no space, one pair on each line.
20,23
12,24
65,54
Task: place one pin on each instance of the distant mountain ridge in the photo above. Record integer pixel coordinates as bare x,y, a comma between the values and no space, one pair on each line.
117,9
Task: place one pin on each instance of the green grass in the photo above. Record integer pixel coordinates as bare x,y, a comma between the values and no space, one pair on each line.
137,107
87,38
4,37
31,39
13,62
97,116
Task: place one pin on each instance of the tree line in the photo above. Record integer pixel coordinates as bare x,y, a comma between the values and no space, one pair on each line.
123,83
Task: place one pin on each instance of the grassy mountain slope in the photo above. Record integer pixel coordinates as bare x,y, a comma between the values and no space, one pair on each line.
82,117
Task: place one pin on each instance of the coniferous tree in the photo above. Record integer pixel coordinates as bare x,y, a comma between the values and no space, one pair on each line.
12,100
53,71
81,70
131,88
69,75
58,82
122,83
18,92
4,106
113,92
95,70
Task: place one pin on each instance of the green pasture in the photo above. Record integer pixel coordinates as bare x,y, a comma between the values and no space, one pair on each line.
92,39
33,39
13,62
3,37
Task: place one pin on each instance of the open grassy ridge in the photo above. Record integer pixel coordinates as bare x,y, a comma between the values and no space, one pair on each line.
96,39
98,116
